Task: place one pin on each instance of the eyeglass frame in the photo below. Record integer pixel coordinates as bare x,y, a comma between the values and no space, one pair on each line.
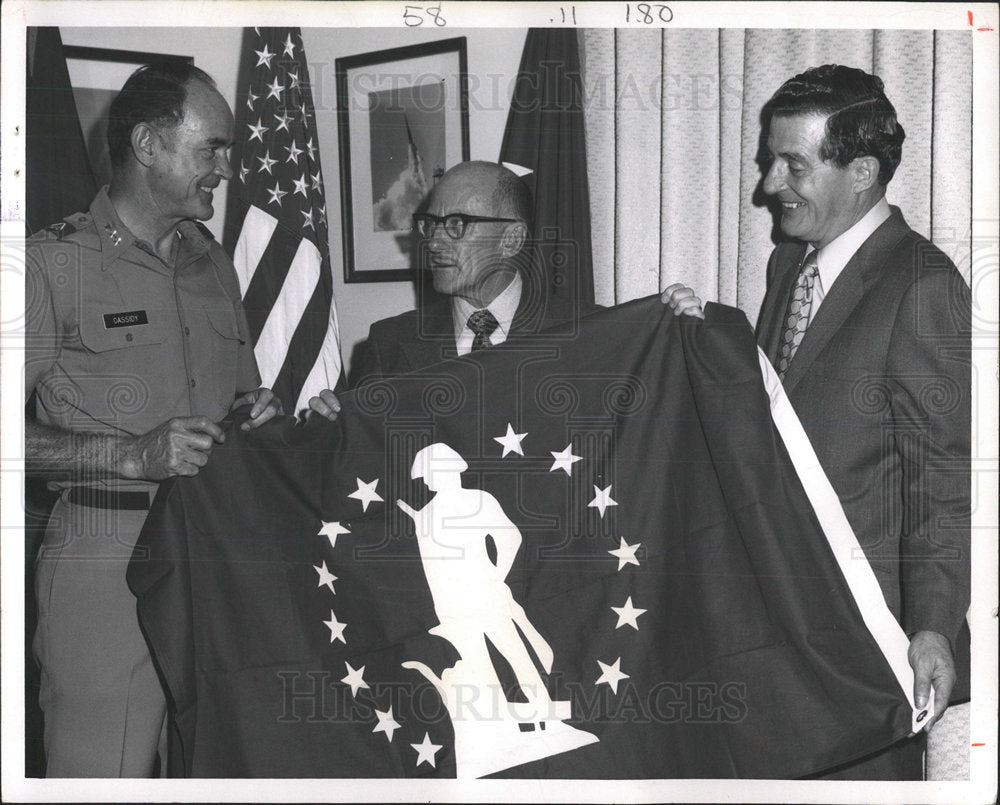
441,220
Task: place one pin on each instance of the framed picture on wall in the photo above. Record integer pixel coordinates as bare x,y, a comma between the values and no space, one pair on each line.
403,120
97,74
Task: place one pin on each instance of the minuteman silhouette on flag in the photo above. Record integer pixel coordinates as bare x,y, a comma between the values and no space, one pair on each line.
474,604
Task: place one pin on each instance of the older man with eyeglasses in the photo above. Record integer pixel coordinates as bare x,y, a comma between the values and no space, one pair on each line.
475,239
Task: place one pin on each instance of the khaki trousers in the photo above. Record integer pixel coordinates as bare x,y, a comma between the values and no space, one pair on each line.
104,708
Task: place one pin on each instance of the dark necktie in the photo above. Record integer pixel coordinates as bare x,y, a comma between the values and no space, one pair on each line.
482,323
797,315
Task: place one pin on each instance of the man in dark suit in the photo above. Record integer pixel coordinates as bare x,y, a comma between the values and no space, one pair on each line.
868,324
476,239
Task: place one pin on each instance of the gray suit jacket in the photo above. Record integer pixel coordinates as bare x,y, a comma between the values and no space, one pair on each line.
881,382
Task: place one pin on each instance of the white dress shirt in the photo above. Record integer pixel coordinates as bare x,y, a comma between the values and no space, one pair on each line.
834,257
503,308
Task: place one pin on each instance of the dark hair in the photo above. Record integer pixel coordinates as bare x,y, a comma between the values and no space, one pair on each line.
861,121
153,94
512,198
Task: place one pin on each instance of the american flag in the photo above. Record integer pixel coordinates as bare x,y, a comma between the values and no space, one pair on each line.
278,220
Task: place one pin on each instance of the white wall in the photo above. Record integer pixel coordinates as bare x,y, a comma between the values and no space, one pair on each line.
494,55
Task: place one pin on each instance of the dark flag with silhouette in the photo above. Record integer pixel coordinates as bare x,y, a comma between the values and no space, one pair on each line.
576,556
276,226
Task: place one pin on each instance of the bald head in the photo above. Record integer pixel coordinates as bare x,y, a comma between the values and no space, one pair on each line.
485,188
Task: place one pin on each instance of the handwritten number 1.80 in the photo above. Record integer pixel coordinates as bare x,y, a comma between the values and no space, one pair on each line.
412,16
647,13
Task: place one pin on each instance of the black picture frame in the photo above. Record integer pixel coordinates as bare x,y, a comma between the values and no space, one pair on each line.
376,92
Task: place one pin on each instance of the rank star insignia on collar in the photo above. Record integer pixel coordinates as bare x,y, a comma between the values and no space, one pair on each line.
113,235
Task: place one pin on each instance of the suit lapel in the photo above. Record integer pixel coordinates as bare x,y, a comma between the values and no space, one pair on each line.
531,307
848,290
435,337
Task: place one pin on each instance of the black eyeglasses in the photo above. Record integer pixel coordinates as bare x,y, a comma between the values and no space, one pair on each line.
454,223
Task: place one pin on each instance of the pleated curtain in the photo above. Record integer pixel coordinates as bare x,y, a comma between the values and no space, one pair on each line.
673,132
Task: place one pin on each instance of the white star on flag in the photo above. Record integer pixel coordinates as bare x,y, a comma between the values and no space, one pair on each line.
628,614
355,678
317,181
308,215
626,554
301,185
283,121
331,531
326,578
258,130
426,751
510,441
366,493
602,499
564,460
244,170
251,99
336,628
386,723
294,80
276,89
289,47
612,674
276,193
265,57
265,162
311,148
293,152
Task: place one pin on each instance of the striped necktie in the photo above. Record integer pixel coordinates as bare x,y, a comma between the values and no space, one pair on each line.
797,315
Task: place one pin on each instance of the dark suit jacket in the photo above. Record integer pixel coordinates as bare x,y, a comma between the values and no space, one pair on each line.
419,338
881,382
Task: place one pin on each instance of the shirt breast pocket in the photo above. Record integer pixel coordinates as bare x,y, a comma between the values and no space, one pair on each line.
104,331
219,362
223,322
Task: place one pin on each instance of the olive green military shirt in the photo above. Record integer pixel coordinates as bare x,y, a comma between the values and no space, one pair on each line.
117,341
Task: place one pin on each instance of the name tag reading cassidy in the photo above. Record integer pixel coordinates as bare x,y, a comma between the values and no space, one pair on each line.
129,318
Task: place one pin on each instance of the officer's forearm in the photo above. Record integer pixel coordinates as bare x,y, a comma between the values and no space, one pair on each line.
58,454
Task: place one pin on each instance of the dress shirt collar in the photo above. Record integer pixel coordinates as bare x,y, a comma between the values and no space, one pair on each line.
833,257
503,308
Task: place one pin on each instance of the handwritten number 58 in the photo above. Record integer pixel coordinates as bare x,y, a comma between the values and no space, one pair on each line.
413,16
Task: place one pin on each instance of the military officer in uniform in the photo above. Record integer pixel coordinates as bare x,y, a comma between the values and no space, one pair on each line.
136,345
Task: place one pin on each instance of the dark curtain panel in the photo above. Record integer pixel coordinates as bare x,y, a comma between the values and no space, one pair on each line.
545,133
59,179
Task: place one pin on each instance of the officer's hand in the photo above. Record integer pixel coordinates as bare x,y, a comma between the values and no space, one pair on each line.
179,446
930,657
265,406
326,404
682,300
